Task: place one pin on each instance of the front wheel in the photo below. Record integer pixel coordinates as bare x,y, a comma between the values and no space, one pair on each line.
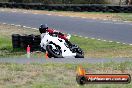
56,53
79,52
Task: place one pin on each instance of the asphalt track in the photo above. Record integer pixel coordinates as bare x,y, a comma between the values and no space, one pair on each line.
105,30
62,60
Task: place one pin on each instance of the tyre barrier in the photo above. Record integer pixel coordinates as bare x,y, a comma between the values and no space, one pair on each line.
16,41
36,42
71,7
22,41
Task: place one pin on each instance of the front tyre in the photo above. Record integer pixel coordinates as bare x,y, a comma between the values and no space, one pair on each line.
79,52
56,53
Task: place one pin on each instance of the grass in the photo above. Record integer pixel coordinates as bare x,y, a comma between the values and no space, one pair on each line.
125,16
92,48
99,49
6,49
57,75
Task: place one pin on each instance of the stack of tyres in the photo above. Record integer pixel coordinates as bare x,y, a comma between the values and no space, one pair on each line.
16,41
36,42
23,41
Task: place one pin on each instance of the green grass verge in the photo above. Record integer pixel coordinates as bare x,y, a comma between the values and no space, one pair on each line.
99,49
6,49
57,75
125,16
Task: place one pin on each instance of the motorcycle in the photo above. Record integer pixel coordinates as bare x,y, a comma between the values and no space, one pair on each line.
58,48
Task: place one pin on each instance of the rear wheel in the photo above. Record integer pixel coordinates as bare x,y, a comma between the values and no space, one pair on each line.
56,53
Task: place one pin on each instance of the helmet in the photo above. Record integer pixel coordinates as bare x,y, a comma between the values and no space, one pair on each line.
43,28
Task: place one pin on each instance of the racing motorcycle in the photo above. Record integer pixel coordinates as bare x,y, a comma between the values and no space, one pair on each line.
58,48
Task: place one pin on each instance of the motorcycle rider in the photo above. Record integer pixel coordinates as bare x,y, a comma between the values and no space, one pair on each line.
44,28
